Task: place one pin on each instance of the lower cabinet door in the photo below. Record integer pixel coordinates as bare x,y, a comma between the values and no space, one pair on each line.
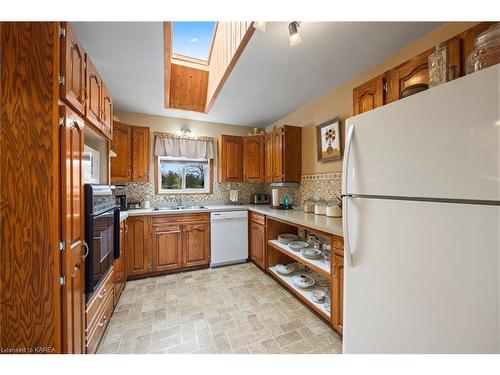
338,292
196,244
167,247
257,243
138,246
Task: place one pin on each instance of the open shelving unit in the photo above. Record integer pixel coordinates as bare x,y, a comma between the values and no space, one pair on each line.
278,253
319,265
304,294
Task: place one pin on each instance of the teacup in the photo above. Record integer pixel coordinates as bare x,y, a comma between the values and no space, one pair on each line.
318,296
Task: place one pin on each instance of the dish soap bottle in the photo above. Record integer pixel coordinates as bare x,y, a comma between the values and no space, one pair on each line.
286,202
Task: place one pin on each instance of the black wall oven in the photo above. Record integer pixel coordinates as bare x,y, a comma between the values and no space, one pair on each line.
102,233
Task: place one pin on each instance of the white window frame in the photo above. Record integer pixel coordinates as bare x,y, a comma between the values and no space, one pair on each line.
208,173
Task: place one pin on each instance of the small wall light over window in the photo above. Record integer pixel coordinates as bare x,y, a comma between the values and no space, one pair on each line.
293,30
185,132
260,25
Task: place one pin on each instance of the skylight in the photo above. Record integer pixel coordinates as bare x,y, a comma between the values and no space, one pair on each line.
193,39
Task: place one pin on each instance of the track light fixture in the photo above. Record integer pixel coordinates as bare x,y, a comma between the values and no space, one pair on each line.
260,25
294,36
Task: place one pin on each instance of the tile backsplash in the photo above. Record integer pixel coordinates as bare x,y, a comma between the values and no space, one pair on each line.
320,185
140,192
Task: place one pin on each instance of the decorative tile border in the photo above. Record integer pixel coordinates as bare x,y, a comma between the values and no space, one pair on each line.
322,176
316,186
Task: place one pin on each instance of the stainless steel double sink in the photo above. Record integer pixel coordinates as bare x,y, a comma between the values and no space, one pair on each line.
179,208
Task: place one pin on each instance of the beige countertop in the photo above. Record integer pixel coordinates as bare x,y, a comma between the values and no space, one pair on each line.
123,215
332,225
319,222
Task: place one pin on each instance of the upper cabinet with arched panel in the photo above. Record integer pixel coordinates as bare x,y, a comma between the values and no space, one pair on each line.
391,85
369,95
81,87
411,73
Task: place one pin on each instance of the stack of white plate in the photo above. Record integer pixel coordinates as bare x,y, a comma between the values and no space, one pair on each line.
302,268
297,245
311,253
285,238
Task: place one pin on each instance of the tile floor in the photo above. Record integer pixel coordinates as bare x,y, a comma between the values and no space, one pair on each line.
235,309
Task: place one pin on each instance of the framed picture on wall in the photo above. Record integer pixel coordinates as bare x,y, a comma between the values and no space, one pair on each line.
328,140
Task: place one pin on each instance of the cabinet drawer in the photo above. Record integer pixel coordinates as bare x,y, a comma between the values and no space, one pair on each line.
181,218
96,303
258,218
97,328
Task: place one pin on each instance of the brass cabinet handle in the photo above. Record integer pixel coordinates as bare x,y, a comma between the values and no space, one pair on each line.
103,294
76,268
103,320
128,173
86,249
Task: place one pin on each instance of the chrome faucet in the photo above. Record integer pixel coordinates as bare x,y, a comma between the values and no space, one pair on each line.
178,200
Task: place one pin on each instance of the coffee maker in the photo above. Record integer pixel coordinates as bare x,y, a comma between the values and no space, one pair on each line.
121,197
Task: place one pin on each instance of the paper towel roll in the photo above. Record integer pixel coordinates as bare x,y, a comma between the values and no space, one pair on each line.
276,197
233,196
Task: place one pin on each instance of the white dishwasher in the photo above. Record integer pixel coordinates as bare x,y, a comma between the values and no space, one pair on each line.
229,237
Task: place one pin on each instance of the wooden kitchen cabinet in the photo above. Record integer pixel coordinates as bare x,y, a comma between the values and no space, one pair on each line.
284,154
72,234
99,103
140,154
120,165
195,242
167,247
81,86
277,154
98,312
230,158
268,157
337,306
257,238
273,157
93,98
120,266
410,73
131,145
167,243
72,69
106,112
253,158
138,246
369,95
414,71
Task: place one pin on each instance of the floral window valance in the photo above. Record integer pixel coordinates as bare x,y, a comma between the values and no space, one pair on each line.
191,148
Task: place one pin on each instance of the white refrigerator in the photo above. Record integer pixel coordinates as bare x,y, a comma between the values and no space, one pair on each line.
421,196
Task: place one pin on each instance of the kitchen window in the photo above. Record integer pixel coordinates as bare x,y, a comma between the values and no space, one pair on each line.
180,175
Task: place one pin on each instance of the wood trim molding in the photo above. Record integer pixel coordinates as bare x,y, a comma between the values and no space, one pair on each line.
193,62
167,60
212,42
230,67
210,188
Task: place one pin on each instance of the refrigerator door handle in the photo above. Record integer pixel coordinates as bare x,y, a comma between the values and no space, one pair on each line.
345,167
347,246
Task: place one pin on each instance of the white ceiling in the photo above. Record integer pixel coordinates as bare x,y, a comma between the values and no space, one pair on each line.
270,79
